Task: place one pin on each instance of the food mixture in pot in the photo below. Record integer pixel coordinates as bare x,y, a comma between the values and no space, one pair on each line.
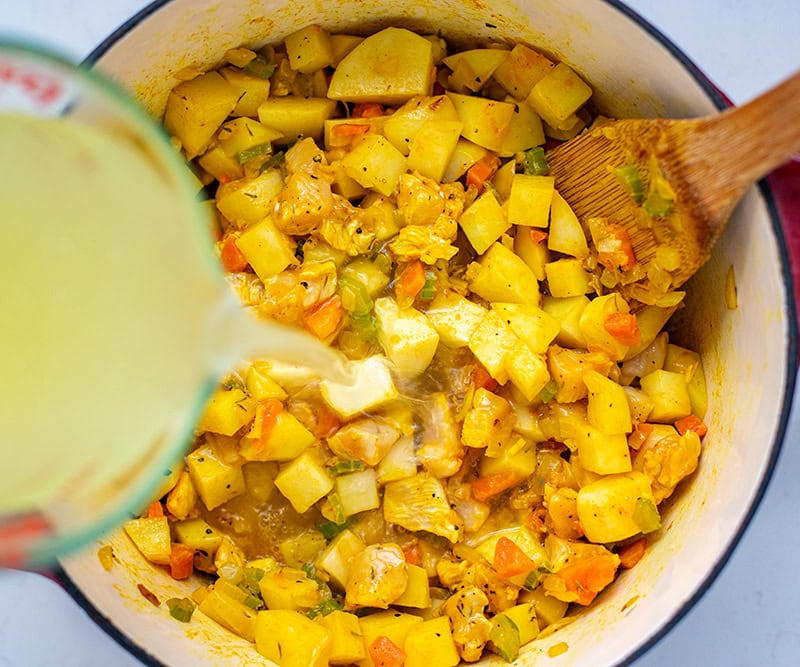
523,422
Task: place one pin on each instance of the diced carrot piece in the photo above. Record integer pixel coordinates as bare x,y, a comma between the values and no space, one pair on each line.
181,561
155,509
484,488
537,235
589,576
324,319
691,423
385,653
632,553
510,560
233,260
482,380
413,554
350,129
411,281
482,171
623,327
368,110
267,412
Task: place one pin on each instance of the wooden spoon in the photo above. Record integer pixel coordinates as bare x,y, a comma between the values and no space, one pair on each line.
705,164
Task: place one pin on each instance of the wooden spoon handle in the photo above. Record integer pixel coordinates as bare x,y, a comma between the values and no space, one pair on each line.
751,140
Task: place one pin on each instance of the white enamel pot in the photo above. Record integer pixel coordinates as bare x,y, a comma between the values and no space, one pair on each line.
749,353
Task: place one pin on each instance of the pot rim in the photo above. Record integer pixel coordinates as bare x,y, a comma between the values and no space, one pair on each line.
720,101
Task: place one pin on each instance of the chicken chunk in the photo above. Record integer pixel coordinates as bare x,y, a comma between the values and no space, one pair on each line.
471,628
667,461
365,439
441,452
420,503
378,576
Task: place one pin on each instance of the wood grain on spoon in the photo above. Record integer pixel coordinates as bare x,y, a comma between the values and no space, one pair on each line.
708,163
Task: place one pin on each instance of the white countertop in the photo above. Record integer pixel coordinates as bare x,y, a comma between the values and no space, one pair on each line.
751,614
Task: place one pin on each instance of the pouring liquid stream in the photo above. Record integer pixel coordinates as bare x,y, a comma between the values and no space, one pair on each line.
117,321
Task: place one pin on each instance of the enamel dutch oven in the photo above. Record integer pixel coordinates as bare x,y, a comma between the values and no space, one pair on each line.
749,353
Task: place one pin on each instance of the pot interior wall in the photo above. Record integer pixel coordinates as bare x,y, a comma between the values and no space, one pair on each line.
744,350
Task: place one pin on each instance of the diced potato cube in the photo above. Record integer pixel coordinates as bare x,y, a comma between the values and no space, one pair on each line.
151,536
388,67
687,362
519,458
336,559
342,44
491,341
309,49
216,481
566,234
548,609
229,613
287,439
454,318
288,588
182,498
567,311
304,481
534,253
472,69
249,200
592,325
524,131
533,325
524,617
347,642
521,70
296,117
393,625
602,453
290,639
527,370
240,134
222,167
358,491
669,394
198,535
375,163
406,335
608,409
433,146
399,463
558,95
373,387
464,156
403,125
366,273
195,110
417,593
529,202
260,385
486,121
484,222
251,90
431,645
607,507
228,409
503,276
503,178
567,277
266,248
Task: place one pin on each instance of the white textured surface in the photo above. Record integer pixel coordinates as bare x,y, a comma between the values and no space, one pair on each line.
751,615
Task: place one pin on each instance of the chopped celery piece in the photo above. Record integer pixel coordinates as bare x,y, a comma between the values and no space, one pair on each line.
330,529
324,608
657,205
628,175
260,67
342,467
365,326
429,288
505,637
535,163
646,515
277,159
548,391
259,150
355,298
181,609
